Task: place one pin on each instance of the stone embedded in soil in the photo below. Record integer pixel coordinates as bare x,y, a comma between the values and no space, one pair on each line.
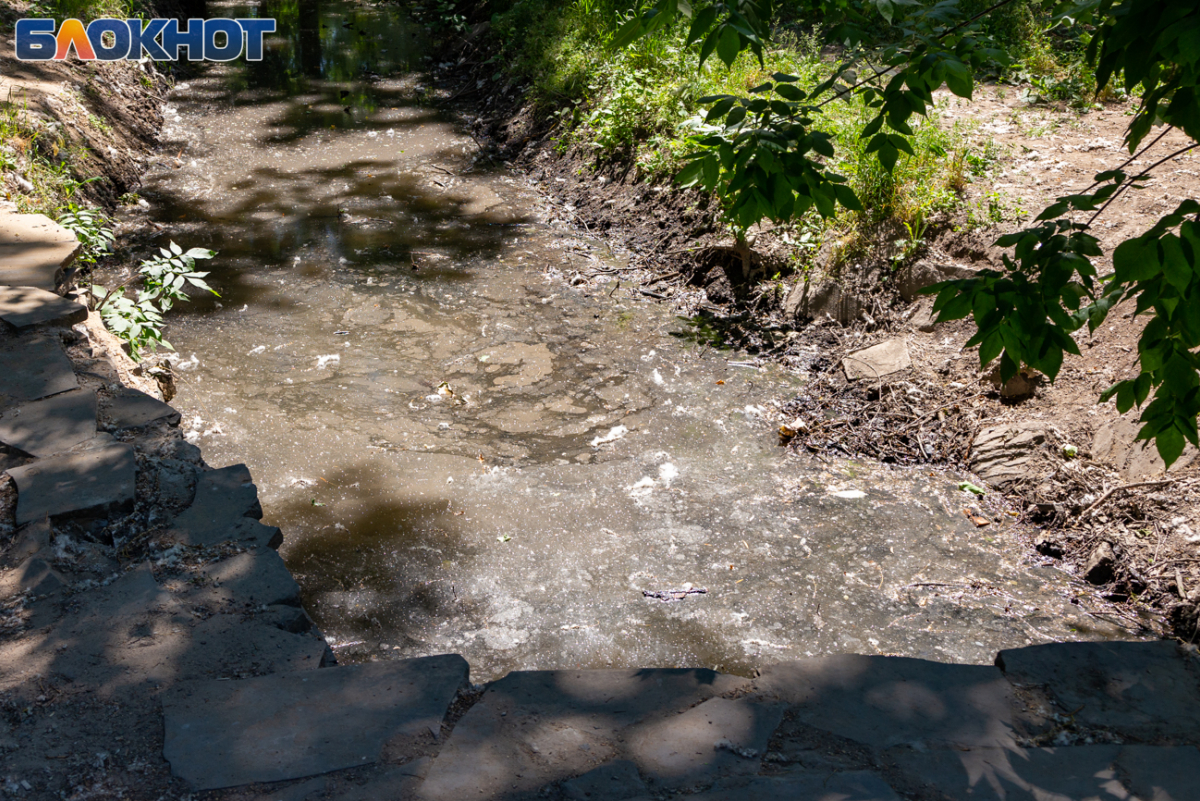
98,480
34,367
131,408
225,508
254,578
1100,564
856,785
22,306
1004,454
1076,773
817,298
878,360
535,728
1116,443
34,250
36,577
1144,690
288,726
884,701
912,279
52,425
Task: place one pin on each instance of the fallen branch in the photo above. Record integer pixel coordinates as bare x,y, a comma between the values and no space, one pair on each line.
1114,490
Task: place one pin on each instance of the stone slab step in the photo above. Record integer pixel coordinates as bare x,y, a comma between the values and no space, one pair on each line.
23,306
52,425
883,701
804,786
34,367
254,578
131,408
532,729
1074,773
98,480
288,726
1147,691
34,250
226,508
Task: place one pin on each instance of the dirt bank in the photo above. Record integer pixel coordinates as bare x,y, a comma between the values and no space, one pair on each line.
1087,495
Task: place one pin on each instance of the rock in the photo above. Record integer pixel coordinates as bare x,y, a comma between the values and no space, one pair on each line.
532,729
1079,773
255,578
31,539
35,367
393,782
885,701
878,360
858,785
1143,690
1100,564
129,408
1117,444
23,306
289,726
1002,455
614,780
922,318
912,279
175,483
36,577
98,480
226,645
225,508
34,250
1019,386
815,298
50,426
1049,545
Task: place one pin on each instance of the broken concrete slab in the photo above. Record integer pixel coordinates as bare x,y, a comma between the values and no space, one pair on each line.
884,701
34,367
254,578
130,408
34,250
1143,690
1002,455
856,785
36,577
1116,443
1075,773
288,726
51,425
231,645
719,737
91,481
878,360
23,306
615,781
224,499
536,728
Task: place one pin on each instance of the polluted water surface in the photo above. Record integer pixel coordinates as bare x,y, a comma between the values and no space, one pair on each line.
469,454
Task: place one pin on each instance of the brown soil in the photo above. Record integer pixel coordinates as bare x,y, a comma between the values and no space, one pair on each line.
931,413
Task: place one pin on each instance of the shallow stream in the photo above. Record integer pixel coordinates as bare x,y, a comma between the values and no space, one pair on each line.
467,453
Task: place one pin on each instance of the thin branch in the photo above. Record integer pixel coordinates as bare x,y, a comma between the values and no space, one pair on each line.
1114,490
1132,158
1143,174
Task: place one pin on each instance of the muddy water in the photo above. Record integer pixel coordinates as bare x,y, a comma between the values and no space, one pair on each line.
467,453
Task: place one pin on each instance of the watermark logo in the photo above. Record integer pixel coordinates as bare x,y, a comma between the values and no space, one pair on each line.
157,39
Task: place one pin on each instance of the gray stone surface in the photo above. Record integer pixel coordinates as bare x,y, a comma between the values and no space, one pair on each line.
32,538
719,737
36,577
920,274
536,728
1143,690
1004,454
232,645
131,408
1075,773
23,306
808,786
254,578
392,783
612,781
35,367
884,701
817,298
1116,443
96,480
34,250
224,499
52,425
878,360
288,726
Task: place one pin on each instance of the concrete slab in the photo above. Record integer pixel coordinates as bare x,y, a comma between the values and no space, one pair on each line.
858,785
36,577
131,408
1143,690
23,306
288,726
34,250
719,737
612,781
254,578
52,425
35,367
536,728
223,501
878,360
1074,773
230,645
95,481
393,783
884,701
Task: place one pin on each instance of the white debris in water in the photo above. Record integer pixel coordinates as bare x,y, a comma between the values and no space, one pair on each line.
851,494
656,377
332,358
642,488
614,434
300,481
755,411
178,363
191,437
256,351
667,473
244,307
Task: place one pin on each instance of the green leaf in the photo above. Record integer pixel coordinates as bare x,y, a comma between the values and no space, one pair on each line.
958,78
729,45
888,155
1176,268
1169,442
